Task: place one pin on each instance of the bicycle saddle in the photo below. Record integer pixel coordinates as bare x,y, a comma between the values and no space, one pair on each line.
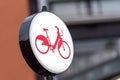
45,29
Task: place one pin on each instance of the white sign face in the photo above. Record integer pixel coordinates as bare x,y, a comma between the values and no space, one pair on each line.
51,42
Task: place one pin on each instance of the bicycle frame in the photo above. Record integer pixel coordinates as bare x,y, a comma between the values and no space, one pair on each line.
57,39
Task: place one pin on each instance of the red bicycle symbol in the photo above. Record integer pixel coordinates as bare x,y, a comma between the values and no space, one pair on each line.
45,44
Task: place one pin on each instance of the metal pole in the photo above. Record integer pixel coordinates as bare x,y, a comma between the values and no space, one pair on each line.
50,77
42,3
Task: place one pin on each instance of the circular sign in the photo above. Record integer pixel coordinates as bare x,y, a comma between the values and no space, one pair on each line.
46,43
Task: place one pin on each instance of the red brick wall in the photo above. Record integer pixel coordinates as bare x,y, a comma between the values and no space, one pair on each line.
12,64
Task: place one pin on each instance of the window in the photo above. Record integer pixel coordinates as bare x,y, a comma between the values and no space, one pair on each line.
86,7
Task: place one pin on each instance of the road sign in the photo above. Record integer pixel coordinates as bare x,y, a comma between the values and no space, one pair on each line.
46,43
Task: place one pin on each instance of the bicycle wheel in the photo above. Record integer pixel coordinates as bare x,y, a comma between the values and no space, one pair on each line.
64,50
41,44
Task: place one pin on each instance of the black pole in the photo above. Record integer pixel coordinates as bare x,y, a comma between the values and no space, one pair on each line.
41,77
44,8
50,77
